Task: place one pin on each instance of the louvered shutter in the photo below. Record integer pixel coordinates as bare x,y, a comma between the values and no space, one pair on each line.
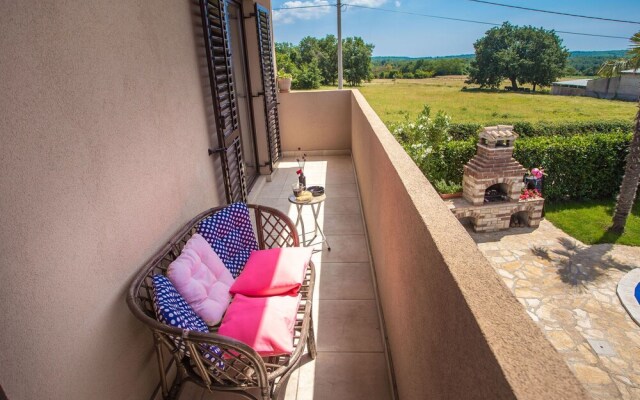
269,84
218,48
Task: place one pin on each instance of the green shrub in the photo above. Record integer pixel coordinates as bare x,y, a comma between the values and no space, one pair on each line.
577,167
530,129
465,130
424,138
443,186
448,163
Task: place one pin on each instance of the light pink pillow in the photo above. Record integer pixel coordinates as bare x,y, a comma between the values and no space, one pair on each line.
264,323
273,272
202,279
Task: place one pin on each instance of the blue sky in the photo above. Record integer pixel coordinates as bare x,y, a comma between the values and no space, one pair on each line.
395,34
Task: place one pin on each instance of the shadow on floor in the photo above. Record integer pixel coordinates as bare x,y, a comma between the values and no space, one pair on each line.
579,264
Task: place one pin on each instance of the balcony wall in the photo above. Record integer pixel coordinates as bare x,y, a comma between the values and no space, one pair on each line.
105,133
315,120
453,329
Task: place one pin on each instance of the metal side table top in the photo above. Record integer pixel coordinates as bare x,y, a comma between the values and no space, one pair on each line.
316,204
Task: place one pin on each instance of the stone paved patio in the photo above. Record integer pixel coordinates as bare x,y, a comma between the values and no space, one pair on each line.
569,289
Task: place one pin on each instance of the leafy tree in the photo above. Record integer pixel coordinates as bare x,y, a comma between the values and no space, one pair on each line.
328,59
629,186
544,57
287,55
356,56
308,77
315,61
520,54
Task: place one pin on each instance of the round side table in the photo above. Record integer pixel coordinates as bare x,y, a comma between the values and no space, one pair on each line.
316,204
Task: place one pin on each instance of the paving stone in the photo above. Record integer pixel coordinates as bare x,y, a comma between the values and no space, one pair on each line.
591,375
568,314
561,340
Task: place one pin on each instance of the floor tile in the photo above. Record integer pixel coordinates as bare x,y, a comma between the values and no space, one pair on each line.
345,376
345,281
348,325
342,205
343,224
346,248
342,190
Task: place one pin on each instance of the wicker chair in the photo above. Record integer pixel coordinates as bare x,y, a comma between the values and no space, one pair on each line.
240,368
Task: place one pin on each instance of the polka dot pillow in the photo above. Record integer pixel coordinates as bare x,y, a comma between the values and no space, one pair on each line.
230,233
171,309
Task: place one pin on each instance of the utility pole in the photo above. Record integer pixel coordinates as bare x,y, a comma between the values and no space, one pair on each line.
339,44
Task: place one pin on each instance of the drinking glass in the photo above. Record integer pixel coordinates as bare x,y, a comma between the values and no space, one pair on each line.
297,189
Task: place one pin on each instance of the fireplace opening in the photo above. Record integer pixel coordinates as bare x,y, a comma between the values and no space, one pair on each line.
496,193
519,219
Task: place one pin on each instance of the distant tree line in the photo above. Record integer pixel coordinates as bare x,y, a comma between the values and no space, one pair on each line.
588,63
419,68
314,62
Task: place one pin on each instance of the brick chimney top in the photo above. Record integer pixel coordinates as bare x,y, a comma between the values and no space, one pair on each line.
498,136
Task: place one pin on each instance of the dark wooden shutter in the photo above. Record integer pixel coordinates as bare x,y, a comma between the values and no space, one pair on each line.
216,36
269,84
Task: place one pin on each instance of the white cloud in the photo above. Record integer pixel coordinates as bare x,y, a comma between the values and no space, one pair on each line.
313,12
367,3
398,3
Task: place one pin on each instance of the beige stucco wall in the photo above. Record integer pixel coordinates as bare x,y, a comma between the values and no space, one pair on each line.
315,120
454,330
103,156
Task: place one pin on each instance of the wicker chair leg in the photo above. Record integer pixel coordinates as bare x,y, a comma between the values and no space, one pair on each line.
311,341
160,358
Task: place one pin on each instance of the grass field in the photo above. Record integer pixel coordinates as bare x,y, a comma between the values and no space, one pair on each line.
588,221
395,100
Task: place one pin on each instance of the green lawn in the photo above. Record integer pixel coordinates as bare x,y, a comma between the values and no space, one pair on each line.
393,100
588,221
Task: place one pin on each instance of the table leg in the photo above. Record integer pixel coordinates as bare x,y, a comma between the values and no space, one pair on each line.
304,238
316,215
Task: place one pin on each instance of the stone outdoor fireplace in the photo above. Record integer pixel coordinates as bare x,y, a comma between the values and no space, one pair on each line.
493,167
492,184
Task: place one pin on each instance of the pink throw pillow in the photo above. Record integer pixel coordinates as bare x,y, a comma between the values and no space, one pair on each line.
201,278
263,323
273,272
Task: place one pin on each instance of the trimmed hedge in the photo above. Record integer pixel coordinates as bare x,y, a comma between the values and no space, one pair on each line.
577,167
529,129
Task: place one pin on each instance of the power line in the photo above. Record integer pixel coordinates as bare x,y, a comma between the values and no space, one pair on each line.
299,7
477,22
555,12
448,18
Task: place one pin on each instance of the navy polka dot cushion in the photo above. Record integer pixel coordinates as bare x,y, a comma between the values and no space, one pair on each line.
172,309
231,235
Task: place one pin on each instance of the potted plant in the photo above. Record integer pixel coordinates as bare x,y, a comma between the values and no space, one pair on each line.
284,81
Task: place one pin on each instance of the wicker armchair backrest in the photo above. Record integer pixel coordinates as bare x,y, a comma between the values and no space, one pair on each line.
234,363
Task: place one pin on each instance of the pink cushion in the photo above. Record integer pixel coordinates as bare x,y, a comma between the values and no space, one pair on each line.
273,272
202,279
264,323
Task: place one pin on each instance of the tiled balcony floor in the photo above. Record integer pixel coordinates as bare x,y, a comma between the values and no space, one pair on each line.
351,362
